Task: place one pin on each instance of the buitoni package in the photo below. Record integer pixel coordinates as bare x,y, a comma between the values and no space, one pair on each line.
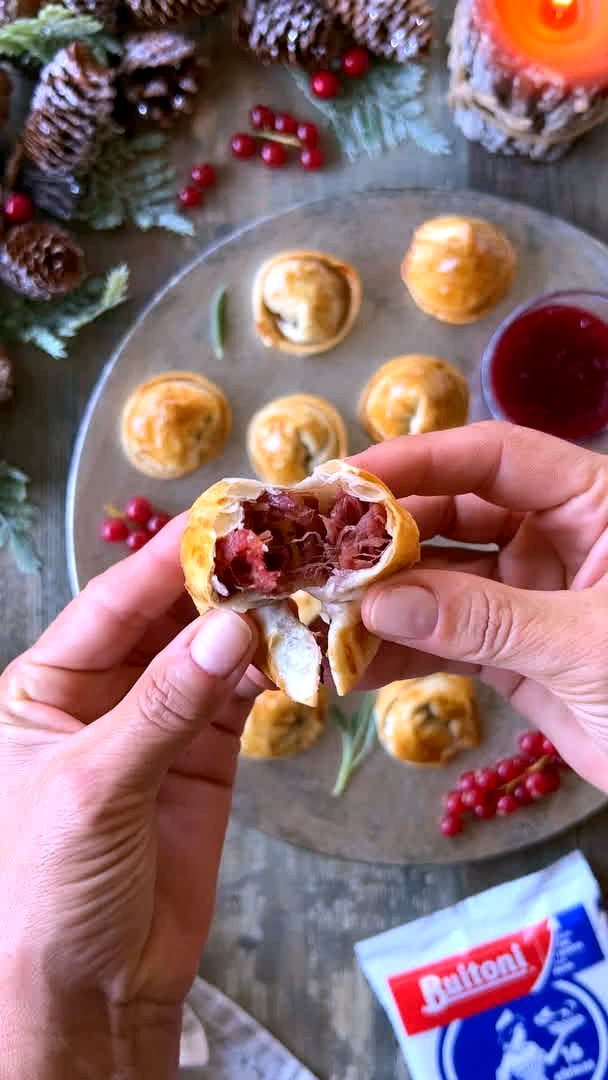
511,984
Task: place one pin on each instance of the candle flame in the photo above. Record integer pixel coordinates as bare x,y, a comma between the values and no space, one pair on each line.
562,5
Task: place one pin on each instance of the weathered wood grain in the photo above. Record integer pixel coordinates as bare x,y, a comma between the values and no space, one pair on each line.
282,942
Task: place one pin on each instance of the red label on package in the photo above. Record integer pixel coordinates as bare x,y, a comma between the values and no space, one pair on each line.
471,982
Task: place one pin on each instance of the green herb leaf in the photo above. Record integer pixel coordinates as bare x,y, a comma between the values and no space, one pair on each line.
217,321
35,41
358,733
16,519
133,181
49,326
380,112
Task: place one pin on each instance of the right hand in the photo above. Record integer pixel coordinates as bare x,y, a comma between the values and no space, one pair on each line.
530,618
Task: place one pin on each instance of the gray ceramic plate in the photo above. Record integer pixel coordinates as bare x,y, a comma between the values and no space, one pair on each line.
389,812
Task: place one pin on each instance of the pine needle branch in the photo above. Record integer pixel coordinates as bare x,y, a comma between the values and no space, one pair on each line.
378,113
133,181
50,326
35,41
16,519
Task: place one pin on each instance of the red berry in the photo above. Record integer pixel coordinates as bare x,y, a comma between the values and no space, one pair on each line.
114,530
548,747
189,197
285,123
355,62
471,796
308,134
487,779
450,825
539,784
139,510
274,155
312,158
325,84
453,802
203,175
507,804
485,809
137,539
531,744
260,116
466,780
18,208
505,770
522,795
243,145
157,522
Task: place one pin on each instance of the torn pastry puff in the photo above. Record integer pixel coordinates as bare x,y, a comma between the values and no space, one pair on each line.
279,727
305,302
250,546
427,721
291,435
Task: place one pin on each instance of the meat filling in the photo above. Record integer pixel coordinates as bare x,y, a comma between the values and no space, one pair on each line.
285,542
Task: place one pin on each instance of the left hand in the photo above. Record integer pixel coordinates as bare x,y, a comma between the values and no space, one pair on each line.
119,737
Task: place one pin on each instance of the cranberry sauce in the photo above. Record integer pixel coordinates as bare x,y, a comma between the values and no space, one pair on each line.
550,371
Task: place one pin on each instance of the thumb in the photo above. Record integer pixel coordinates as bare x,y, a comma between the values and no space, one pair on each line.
181,691
463,617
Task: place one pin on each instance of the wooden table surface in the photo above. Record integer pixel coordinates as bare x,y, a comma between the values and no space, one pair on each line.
282,941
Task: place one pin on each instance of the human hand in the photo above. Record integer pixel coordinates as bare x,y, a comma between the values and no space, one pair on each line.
529,618
119,736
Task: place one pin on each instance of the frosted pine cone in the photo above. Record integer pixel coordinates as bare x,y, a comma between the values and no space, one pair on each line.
159,13
297,32
105,11
18,9
71,113
41,261
394,29
6,377
157,78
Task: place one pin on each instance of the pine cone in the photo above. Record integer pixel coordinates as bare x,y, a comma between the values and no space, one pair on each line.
58,195
394,29
18,9
299,32
158,78
159,13
6,377
41,261
71,113
105,11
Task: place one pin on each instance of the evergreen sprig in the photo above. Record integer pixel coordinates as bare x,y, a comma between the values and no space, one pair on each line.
16,519
34,42
133,181
50,326
380,112
358,733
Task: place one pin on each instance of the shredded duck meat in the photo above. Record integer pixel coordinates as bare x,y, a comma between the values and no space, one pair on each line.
285,543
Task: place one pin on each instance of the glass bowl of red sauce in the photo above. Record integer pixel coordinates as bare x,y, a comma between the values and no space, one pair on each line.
546,367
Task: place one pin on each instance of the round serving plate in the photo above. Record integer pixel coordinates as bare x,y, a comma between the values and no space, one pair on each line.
389,812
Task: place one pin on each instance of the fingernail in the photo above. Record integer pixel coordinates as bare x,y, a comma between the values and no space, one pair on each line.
222,643
406,612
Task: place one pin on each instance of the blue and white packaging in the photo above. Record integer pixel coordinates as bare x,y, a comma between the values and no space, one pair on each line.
511,984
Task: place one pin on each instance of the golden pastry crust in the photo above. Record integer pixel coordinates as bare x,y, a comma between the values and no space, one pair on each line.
291,435
291,655
173,423
305,302
411,394
427,721
278,727
459,268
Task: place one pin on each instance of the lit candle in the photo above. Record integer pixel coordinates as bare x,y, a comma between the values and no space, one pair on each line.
529,77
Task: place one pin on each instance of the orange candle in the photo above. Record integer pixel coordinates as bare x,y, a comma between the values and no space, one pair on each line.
562,39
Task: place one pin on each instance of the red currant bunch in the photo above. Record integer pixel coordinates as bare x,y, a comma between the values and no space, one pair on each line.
354,64
273,135
502,789
134,525
202,177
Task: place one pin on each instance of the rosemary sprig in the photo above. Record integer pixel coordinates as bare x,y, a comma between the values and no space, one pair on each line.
217,321
358,734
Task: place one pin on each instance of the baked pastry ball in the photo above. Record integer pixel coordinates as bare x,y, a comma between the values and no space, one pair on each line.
278,727
291,435
459,268
174,423
305,302
412,394
427,721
